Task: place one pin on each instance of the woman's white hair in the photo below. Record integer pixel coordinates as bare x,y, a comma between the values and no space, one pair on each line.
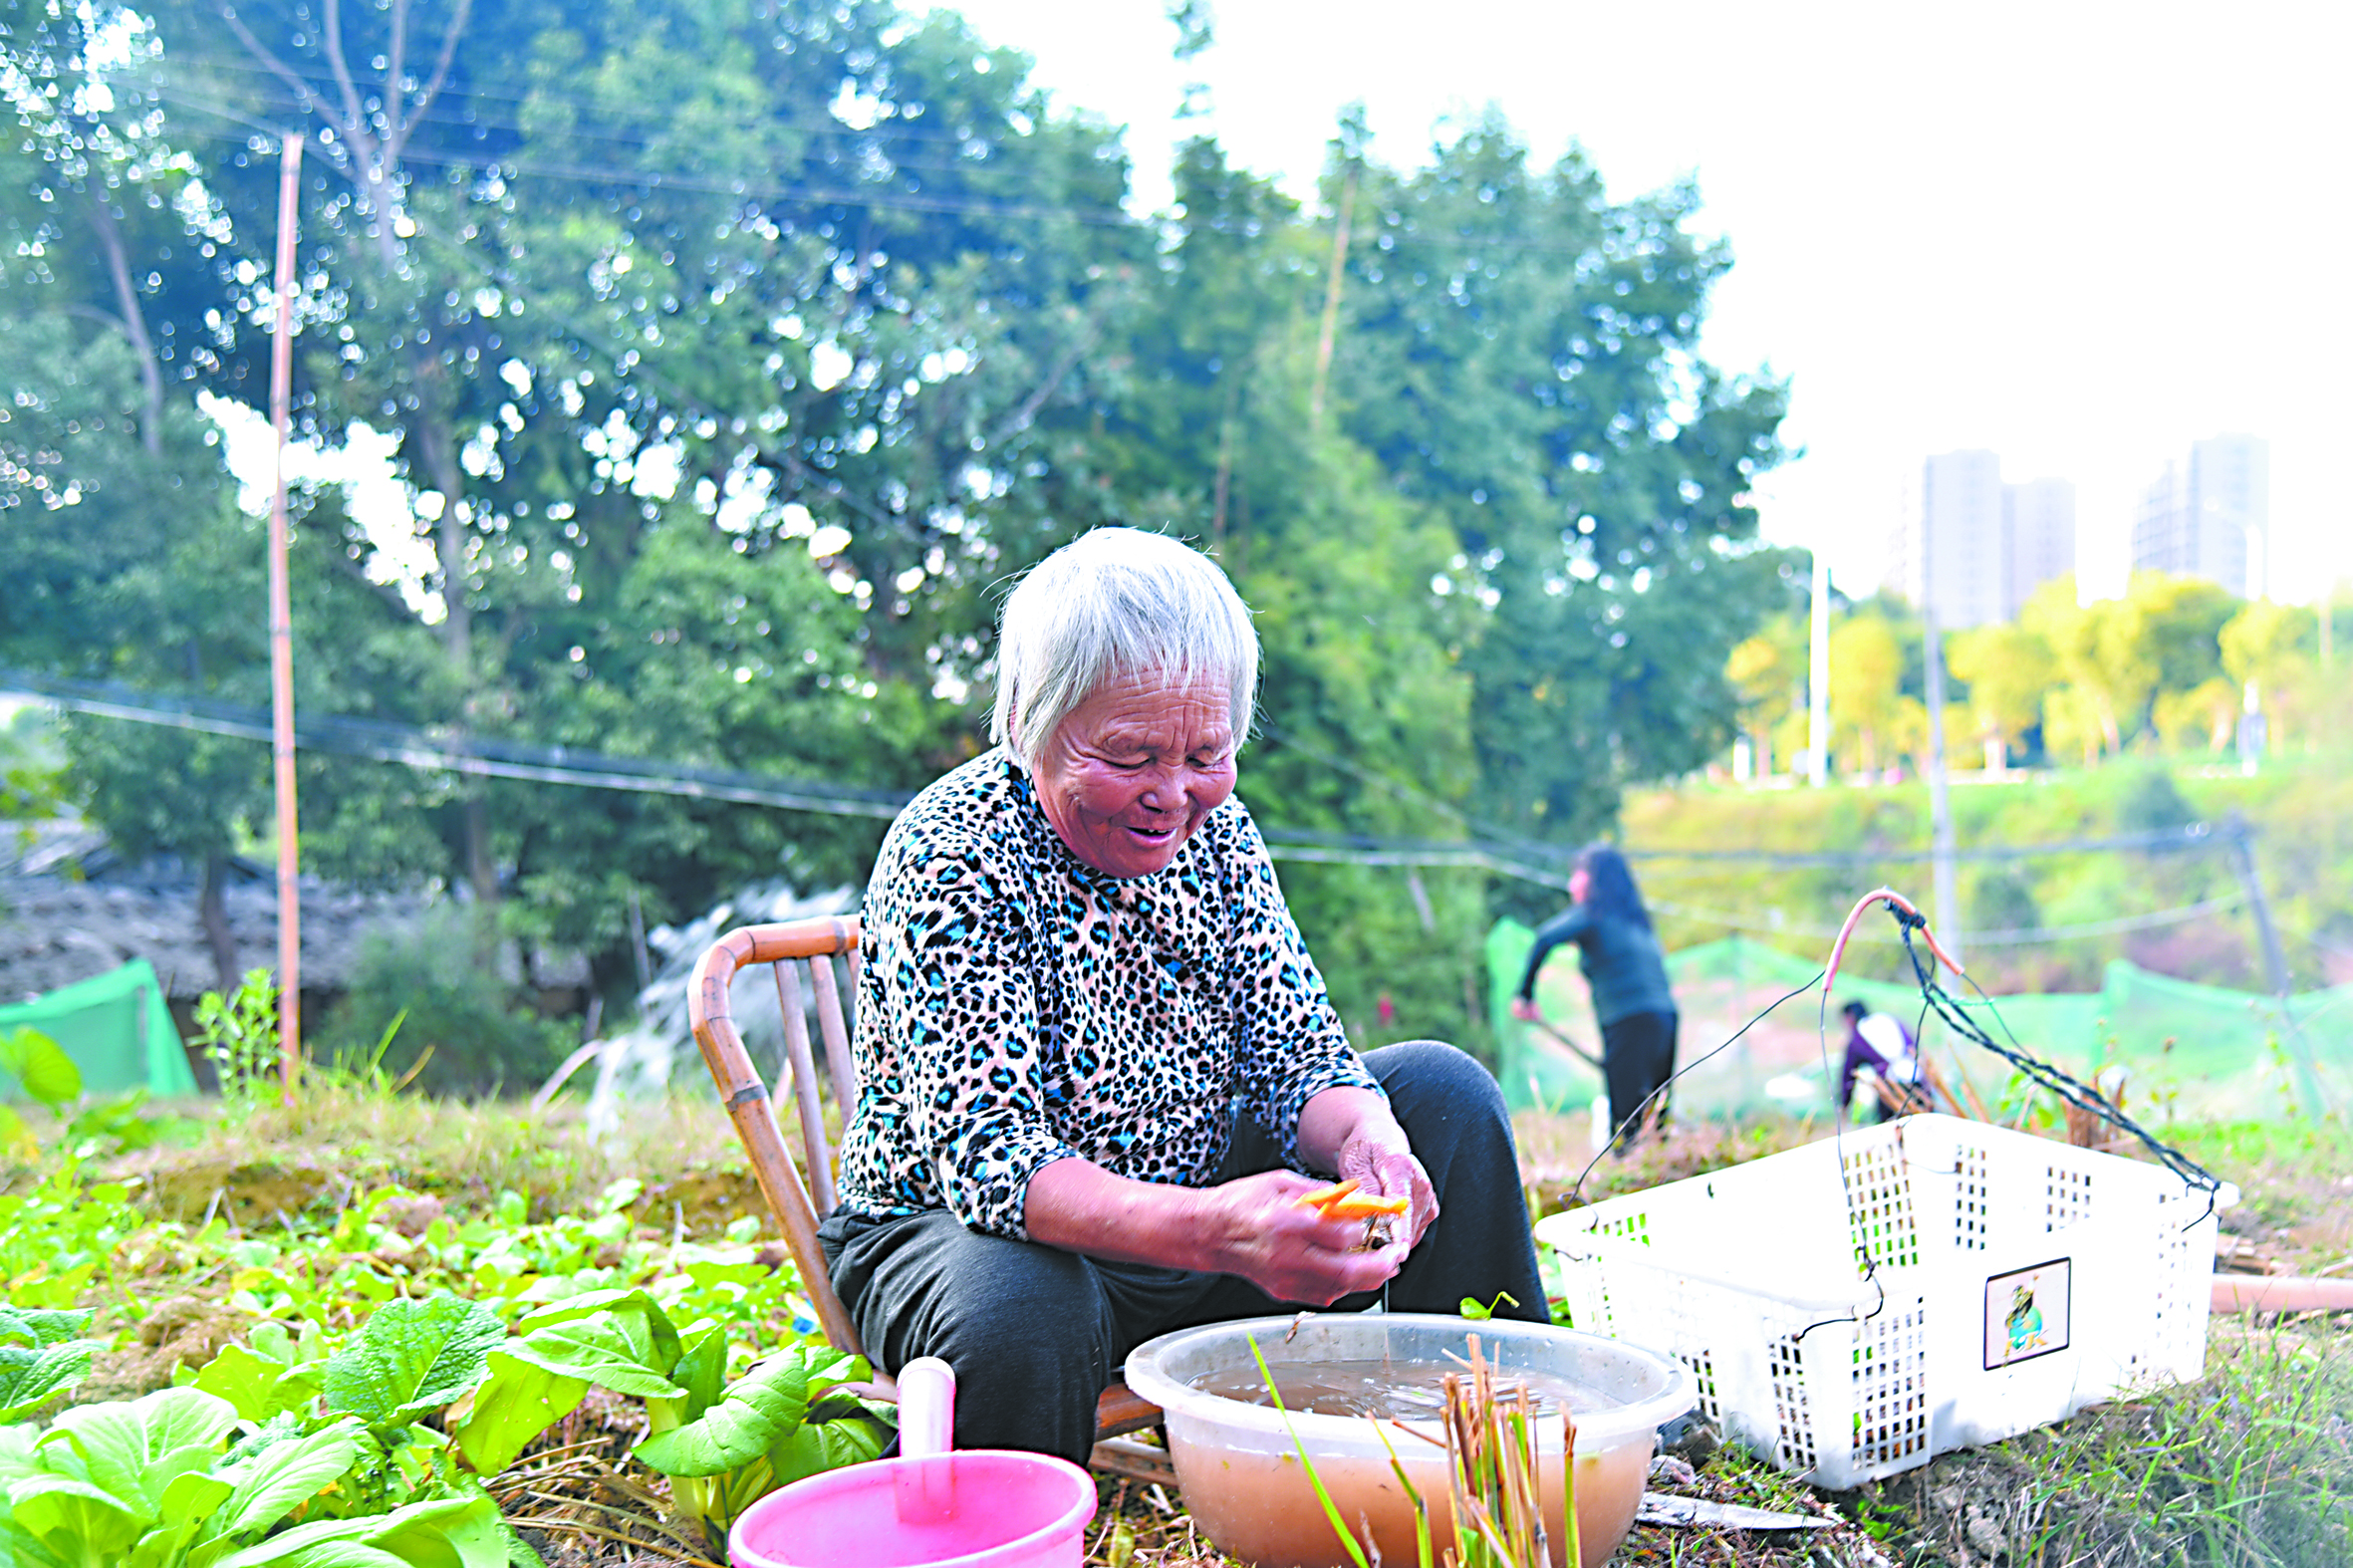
1113,602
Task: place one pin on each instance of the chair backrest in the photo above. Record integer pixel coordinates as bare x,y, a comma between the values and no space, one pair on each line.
789,948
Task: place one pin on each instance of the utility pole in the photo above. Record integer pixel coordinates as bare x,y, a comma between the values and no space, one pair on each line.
1940,791
1818,676
282,638
2241,836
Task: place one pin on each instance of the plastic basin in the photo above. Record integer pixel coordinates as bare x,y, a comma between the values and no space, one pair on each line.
974,1508
1245,1488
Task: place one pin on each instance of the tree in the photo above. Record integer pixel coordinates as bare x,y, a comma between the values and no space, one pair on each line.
1366,709
2200,720
1866,681
732,357
1908,734
1519,354
1768,671
2178,620
2098,660
121,543
799,320
2264,649
2008,668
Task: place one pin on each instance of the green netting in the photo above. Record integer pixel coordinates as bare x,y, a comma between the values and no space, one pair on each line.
2188,1050
117,1029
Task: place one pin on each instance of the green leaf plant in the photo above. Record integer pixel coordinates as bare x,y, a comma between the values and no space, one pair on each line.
155,1484
792,1416
42,1353
318,1450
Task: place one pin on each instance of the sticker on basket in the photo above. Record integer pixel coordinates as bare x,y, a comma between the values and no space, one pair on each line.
2027,1313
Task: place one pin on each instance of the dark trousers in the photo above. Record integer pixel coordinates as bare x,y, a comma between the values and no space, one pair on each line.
1637,1059
1034,1333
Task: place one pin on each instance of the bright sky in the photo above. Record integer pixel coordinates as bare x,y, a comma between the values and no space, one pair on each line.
2082,235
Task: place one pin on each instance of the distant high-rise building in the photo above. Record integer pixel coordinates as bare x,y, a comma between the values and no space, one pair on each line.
2210,517
1979,546
1961,550
2039,535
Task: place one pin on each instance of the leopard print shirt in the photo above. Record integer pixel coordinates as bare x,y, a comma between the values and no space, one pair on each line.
1017,1007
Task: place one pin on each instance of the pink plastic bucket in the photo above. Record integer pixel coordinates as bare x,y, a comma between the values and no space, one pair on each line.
931,1509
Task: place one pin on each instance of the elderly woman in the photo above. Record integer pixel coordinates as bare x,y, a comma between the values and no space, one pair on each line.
1100,1068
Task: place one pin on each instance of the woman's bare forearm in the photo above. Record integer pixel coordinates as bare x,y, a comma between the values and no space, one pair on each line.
1340,1115
1079,1206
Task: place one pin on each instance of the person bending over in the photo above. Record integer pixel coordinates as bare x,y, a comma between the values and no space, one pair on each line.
1879,1044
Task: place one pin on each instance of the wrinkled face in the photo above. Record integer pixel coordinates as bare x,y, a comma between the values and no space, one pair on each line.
1580,883
1134,768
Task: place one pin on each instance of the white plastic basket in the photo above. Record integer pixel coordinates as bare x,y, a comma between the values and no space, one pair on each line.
1750,1276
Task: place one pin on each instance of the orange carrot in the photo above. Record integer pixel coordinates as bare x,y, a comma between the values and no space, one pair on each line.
1324,1198
1364,1208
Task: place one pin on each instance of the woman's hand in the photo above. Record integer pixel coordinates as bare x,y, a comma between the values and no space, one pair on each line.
1351,1131
1525,1010
1261,1231
1387,1169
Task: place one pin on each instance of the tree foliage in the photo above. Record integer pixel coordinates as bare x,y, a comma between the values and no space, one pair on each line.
734,357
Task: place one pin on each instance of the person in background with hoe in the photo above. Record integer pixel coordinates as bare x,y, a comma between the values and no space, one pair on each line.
1632,1000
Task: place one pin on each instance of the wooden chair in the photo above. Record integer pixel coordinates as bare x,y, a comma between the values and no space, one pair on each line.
788,949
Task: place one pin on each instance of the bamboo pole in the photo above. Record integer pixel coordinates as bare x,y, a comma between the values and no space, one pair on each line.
1330,330
282,638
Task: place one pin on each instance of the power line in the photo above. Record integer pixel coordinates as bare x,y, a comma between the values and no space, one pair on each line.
165,84
1400,235
608,176
2011,936
2195,836
483,756
479,86
478,756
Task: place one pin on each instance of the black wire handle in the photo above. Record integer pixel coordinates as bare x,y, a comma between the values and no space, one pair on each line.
2084,1097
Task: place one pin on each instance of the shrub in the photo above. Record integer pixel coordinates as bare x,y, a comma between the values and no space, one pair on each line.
445,976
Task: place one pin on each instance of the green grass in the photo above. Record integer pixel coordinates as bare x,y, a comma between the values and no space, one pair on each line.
2252,1466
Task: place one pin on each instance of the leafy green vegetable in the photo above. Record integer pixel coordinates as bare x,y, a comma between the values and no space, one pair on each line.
74,1521
522,1399
619,1339
258,1385
412,1356
40,1351
451,1532
786,1418
27,1377
41,1328
339,1461
134,1452
272,1484
822,1446
41,1068
765,1408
